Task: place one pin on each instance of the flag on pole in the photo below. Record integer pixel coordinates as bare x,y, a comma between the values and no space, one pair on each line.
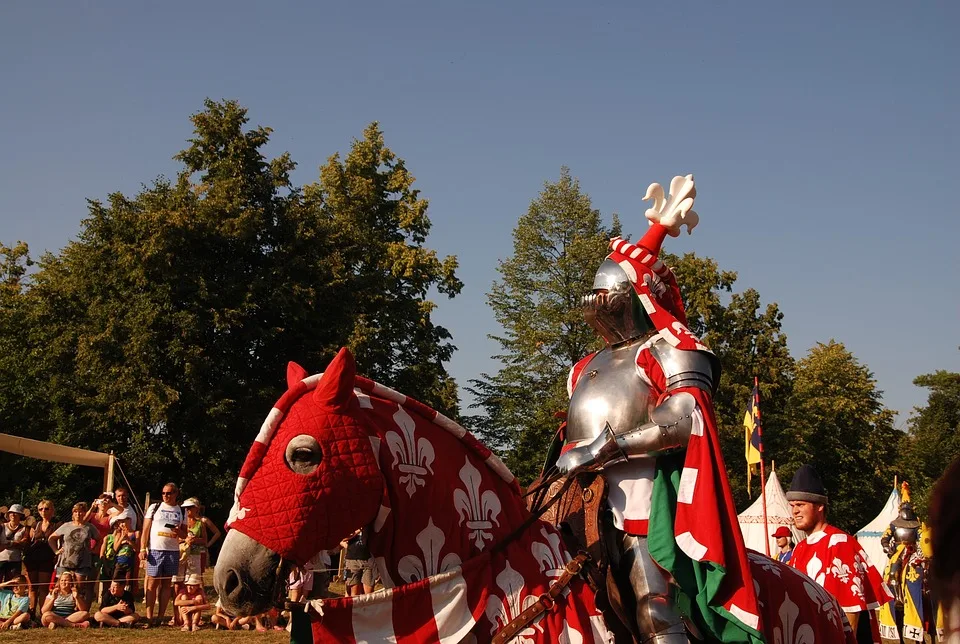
753,441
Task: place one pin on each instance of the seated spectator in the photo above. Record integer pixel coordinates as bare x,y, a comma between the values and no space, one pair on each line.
191,603
72,542
65,606
224,620
15,540
118,607
14,604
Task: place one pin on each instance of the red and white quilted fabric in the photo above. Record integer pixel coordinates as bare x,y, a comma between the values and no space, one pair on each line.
436,502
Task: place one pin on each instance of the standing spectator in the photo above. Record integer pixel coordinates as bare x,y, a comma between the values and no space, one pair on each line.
833,558
121,508
358,564
118,607
75,542
65,606
197,541
39,558
163,527
15,539
784,543
98,515
15,604
191,603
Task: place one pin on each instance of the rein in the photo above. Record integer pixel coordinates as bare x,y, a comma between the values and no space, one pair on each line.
548,600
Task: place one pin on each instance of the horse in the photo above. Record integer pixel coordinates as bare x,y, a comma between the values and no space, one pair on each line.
460,556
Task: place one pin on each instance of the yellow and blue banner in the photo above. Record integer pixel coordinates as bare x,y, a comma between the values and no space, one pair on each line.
753,435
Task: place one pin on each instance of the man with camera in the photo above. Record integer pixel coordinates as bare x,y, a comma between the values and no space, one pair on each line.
163,526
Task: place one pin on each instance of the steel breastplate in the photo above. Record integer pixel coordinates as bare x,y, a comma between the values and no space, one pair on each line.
905,535
609,391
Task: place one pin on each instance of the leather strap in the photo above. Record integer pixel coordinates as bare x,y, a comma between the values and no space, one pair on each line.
544,603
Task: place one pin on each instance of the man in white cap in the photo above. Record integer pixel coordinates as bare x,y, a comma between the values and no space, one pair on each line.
834,559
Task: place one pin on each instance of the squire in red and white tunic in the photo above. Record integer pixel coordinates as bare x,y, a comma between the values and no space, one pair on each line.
837,561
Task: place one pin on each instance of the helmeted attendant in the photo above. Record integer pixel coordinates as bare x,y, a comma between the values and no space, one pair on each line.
833,558
641,412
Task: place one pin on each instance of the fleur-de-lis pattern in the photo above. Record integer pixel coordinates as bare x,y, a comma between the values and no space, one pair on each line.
431,540
478,510
550,555
789,631
413,456
501,611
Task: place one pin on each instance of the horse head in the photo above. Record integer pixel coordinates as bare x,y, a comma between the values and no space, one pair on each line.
309,480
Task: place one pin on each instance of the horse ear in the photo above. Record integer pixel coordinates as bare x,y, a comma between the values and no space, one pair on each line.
336,387
295,373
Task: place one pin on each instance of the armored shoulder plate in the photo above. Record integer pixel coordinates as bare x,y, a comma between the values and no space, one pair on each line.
686,368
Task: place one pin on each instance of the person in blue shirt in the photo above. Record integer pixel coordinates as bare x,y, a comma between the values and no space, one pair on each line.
784,543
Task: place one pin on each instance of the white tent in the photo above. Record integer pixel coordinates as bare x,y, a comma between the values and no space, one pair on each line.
869,535
778,514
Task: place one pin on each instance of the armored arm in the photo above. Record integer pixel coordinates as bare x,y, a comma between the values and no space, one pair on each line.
672,423
889,546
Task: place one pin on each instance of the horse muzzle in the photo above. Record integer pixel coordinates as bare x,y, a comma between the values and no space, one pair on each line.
247,576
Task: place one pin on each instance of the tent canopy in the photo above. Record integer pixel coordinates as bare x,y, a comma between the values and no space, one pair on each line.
869,535
778,514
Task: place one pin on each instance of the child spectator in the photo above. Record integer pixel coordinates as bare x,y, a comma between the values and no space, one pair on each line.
65,606
116,555
118,607
15,540
191,603
15,604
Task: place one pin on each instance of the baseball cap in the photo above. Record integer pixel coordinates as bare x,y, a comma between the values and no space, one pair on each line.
782,531
192,502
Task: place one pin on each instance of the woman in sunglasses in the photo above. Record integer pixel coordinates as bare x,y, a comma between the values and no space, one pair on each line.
39,558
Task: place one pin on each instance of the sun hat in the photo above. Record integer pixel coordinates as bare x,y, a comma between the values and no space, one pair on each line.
193,580
782,531
192,502
16,508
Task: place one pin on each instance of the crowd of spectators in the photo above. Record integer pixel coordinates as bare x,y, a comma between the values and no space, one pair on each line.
50,569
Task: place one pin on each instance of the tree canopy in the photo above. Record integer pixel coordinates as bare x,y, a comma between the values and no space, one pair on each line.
557,245
162,332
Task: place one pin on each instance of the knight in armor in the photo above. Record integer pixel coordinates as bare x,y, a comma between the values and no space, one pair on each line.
906,544
900,541
641,414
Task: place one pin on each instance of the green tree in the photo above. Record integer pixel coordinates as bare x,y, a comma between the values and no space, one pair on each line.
162,332
841,427
932,441
557,246
379,224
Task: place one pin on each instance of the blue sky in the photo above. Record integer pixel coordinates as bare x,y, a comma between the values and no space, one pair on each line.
822,135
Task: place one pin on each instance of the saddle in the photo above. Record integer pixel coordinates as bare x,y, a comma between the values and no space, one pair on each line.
577,515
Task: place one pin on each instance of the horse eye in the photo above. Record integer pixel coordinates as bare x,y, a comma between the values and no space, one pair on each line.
303,454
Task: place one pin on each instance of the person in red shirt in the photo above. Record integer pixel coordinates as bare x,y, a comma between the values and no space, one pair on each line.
834,559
